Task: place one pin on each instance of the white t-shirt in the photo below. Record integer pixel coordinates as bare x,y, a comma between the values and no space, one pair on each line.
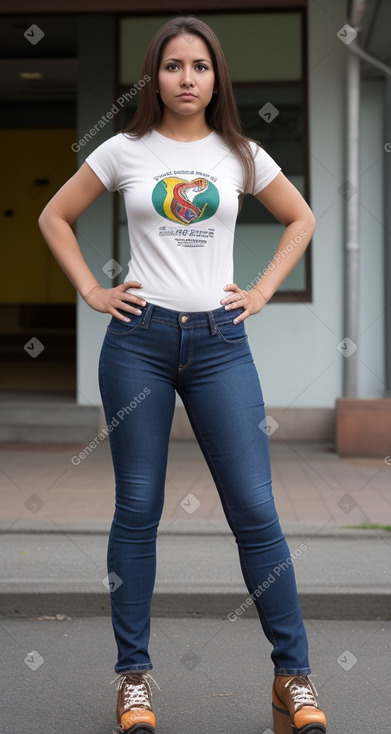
181,202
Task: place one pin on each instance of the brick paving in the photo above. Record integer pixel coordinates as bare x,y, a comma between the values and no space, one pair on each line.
41,487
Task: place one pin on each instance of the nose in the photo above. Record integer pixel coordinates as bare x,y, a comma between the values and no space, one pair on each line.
187,77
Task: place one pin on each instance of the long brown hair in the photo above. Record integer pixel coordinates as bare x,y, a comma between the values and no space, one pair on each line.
221,114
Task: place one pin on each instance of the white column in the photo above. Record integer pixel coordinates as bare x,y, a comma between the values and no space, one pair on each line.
96,57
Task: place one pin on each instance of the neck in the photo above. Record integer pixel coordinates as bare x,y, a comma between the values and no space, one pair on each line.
183,129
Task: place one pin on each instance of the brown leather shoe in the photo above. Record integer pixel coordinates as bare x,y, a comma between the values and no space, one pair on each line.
134,705
295,706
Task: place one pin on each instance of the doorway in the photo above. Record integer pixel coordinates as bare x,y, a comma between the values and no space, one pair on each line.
38,127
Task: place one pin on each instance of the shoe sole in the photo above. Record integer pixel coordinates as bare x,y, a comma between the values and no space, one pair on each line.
282,723
138,729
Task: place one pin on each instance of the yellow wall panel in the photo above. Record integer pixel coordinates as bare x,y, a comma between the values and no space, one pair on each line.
34,165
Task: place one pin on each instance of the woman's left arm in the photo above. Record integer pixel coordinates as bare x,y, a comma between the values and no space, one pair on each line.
287,205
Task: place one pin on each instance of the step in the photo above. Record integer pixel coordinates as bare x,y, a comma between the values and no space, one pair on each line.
64,573
54,422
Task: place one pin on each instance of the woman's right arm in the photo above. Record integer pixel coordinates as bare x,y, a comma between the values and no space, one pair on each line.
55,221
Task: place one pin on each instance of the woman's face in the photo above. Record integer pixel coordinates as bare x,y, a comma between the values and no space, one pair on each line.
186,77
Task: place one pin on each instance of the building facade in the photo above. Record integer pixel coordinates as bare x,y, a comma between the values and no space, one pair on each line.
288,62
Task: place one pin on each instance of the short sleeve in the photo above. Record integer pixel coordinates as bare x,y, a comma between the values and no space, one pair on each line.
266,169
105,162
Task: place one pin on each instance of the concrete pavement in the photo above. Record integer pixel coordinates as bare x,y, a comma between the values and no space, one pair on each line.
338,577
56,509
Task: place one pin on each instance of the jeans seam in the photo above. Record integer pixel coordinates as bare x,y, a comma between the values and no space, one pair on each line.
102,386
190,355
230,341
188,407
129,331
186,402
163,321
257,600
124,333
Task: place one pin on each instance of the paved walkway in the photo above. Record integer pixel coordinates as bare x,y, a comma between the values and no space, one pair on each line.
56,510
52,487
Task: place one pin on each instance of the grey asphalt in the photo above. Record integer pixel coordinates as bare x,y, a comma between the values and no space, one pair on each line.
214,675
343,575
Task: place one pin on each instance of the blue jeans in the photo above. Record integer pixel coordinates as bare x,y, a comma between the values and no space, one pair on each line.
206,359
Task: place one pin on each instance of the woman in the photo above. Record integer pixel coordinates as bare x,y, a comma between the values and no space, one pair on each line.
183,165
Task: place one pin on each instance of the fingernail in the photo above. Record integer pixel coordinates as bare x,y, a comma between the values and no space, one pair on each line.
139,312
126,319
143,303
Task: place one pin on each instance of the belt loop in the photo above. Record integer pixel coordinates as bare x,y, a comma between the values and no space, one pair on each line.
147,315
212,323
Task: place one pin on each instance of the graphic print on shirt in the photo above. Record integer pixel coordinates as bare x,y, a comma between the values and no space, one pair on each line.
185,202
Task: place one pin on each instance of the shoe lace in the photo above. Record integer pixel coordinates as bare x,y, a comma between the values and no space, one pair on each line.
303,692
136,687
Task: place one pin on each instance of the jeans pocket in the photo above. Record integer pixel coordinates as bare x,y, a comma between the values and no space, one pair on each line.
232,333
123,328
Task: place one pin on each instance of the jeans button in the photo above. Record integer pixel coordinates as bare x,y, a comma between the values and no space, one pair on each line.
184,319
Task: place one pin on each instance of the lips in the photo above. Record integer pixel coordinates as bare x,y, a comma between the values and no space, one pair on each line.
187,95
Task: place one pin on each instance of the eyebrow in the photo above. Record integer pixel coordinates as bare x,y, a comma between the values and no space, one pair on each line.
195,61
